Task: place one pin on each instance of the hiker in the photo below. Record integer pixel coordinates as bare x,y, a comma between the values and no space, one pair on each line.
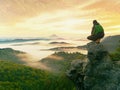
97,32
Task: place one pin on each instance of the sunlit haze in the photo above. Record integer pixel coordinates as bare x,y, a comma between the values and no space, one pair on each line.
66,18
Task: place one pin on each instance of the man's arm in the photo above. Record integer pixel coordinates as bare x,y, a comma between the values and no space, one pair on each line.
92,32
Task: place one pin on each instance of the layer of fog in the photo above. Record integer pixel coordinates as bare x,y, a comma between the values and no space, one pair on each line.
34,52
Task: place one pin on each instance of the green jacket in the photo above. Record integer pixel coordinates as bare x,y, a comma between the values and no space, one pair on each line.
97,29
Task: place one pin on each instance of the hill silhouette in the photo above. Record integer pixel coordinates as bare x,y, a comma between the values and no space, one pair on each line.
10,54
2,41
111,42
60,61
61,43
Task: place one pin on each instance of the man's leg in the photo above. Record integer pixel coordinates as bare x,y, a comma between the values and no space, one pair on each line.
92,37
97,41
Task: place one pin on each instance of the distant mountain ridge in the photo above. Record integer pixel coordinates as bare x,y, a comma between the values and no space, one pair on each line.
59,43
56,37
21,40
111,42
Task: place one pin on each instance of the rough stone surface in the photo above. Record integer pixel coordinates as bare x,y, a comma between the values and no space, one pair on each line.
76,73
99,74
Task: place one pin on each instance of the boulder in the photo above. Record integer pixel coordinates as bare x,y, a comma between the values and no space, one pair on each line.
100,73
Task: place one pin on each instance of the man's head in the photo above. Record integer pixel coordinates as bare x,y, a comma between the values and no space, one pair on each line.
95,22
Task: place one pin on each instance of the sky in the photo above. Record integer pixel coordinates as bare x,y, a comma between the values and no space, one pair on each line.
65,18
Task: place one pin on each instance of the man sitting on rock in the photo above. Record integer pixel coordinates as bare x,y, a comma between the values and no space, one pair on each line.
97,32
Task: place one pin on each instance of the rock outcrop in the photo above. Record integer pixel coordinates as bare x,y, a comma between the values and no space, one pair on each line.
76,73
100,73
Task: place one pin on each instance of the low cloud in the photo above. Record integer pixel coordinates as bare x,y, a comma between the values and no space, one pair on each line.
32,62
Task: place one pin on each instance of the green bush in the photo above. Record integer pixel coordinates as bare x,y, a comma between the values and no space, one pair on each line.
115,56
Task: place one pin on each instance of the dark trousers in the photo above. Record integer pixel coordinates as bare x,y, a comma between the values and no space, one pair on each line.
96,37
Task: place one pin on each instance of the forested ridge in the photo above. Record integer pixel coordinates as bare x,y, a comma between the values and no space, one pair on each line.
19,77
10,54
63,60
15,76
